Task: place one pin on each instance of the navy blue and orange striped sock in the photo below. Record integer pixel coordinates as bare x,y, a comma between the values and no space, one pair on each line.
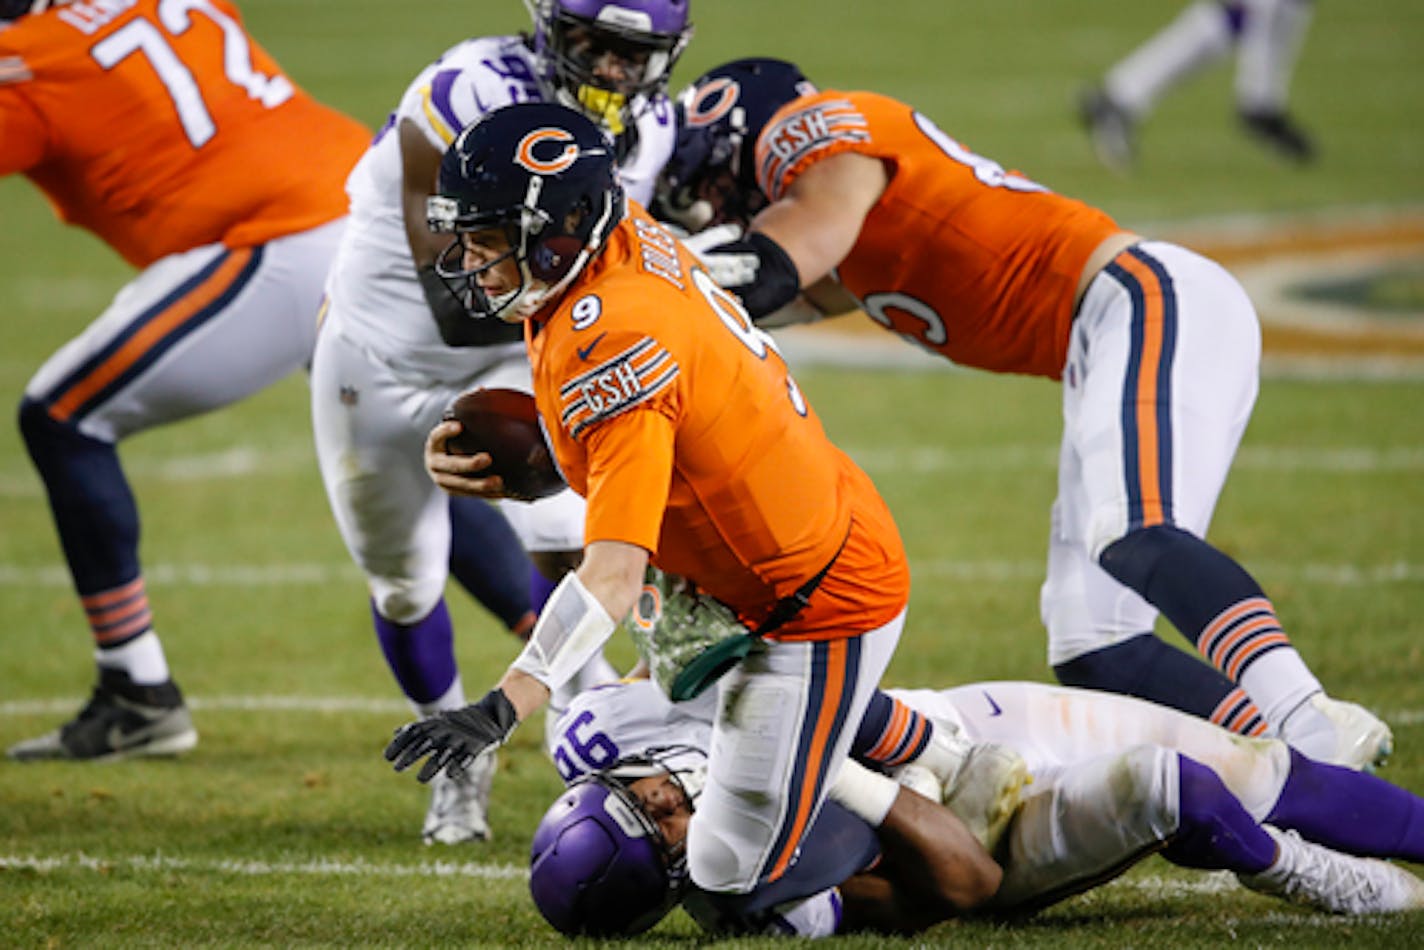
891,733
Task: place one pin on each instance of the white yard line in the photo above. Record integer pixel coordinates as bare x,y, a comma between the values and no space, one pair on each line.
1152,887
160,863
246,461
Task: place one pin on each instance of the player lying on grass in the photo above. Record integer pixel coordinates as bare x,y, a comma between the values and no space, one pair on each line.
858,197
1114,779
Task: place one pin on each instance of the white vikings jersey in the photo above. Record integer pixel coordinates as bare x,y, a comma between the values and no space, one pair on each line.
1104,767
376,298
628,718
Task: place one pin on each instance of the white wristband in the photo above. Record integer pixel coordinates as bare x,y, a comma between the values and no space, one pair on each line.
864,793
572,627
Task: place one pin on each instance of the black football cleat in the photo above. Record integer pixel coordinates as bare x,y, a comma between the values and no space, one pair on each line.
122,720
1278,132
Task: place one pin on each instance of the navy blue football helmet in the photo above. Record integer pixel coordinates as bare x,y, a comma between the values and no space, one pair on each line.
14,9
711,177
599,865
573,40
545,176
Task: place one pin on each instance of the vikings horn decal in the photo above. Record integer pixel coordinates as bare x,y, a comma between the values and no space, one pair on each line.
524,154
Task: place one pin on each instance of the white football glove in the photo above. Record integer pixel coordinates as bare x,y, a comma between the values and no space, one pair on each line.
728,270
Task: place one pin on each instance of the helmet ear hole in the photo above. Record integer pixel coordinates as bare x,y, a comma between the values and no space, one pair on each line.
552,258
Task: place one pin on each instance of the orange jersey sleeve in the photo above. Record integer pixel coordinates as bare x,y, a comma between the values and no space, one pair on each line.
974,262
161,126
676,419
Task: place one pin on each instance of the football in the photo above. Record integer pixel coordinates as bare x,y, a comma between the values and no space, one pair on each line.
505,423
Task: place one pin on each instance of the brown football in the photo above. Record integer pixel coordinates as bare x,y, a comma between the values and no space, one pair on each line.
505,423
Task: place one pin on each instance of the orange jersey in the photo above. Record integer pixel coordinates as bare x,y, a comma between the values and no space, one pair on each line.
676,419
160,126
976,263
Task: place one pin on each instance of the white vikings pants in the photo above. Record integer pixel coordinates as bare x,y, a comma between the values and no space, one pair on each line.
1105,777
785,719
191,333
1159,384
371,422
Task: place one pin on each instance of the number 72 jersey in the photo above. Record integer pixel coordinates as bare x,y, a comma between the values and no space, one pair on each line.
160,126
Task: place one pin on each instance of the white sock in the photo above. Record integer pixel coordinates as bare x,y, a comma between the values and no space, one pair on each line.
1278,682
452,698
1198,37
141,658
1271,39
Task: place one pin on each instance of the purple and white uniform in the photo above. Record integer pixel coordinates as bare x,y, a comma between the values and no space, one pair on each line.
1104,766
382,376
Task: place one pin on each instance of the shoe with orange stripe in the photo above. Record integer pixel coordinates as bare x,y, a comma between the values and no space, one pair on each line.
122,720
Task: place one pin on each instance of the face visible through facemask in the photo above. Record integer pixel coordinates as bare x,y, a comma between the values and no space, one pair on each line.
664,802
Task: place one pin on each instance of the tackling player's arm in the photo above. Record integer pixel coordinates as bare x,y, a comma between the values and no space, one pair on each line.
817,221
420,161
798,240
931,869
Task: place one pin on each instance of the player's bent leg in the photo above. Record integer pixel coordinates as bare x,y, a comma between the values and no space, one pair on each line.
1214,831
1221,608
1146,667
980,782
1349,811
487,560
838,846
785,720
1085,824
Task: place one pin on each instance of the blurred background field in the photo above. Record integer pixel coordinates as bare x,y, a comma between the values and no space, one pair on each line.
286,827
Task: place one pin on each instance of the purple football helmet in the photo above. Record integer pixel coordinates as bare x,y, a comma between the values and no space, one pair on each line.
608,57
711,176
599,865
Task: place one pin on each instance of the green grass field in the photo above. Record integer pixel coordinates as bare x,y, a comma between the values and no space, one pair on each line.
285,827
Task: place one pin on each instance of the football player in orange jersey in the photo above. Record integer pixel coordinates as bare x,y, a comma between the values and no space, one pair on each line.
863,201
161,127
676,419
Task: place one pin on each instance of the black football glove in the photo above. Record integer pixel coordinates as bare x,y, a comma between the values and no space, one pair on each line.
453,738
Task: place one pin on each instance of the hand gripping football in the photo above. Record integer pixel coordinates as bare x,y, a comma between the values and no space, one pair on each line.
504,423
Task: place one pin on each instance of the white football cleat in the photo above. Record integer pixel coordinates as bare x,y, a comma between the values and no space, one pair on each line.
458,804
1337,883
1337,732
987,791
982,783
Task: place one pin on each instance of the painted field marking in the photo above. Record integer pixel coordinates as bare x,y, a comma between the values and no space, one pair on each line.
1209,884
248,461
251,868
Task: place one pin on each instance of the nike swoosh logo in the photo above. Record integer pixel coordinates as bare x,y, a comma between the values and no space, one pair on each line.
585,351
994,709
